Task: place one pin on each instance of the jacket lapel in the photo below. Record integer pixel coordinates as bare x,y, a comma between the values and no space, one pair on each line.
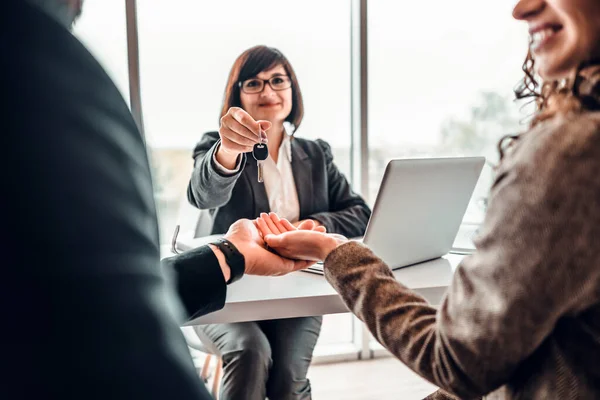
302,171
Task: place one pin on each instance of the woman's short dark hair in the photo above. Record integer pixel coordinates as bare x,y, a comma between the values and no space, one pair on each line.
249,64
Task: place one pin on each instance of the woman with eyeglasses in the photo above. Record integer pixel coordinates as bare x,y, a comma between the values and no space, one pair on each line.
263,103
521,318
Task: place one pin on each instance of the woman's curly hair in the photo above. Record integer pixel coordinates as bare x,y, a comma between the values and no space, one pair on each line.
573,95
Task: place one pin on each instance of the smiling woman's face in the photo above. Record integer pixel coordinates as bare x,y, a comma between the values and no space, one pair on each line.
564,33
271,105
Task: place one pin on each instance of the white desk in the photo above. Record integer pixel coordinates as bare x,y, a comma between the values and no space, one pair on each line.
302,294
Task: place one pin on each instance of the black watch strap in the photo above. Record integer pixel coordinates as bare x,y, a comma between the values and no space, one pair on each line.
235,259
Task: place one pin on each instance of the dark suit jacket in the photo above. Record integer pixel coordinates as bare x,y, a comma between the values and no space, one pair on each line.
198,280
86,313
324,193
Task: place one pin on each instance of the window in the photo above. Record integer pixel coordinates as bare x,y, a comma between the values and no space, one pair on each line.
187,48
186,52
440,84
102,29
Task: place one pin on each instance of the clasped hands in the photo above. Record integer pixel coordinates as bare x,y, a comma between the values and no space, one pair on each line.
290,248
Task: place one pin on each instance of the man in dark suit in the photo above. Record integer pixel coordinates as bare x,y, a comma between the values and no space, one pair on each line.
86,311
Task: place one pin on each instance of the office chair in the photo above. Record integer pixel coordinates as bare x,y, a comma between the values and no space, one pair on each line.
194,342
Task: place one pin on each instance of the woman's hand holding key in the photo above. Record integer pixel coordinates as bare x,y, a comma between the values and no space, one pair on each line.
239,133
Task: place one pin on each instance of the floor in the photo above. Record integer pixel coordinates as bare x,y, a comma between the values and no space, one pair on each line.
380,379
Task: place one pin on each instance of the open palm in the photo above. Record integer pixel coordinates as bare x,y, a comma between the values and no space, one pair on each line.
297,243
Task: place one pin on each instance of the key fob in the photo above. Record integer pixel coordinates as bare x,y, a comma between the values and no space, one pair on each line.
260,152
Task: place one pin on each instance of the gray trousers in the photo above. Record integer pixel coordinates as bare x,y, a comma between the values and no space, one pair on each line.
265,358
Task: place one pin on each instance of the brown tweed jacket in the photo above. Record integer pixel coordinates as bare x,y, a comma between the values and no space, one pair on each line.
521,319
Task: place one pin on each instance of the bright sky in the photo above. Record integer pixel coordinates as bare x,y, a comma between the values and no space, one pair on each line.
427,61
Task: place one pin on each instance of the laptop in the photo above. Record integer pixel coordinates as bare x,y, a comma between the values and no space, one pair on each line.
419,208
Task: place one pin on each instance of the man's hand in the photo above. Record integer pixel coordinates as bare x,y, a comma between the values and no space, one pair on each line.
259,261
300,244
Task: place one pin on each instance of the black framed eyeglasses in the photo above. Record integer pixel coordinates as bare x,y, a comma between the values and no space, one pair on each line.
256,85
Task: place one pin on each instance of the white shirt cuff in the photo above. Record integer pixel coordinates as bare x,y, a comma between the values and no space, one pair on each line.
224,170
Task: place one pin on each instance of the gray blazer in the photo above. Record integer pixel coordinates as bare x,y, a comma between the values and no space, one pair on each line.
324,193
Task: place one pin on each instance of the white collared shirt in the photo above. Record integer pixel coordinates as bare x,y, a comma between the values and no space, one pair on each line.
278,180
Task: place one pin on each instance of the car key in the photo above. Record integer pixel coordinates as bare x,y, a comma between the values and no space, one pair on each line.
260,152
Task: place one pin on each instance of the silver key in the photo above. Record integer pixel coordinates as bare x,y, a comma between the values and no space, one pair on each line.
260,152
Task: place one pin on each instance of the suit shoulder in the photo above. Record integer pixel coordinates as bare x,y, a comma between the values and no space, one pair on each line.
558,155
565,137
206,142
316,147
210,135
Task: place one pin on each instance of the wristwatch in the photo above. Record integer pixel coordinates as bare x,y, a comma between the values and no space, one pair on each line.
235,259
